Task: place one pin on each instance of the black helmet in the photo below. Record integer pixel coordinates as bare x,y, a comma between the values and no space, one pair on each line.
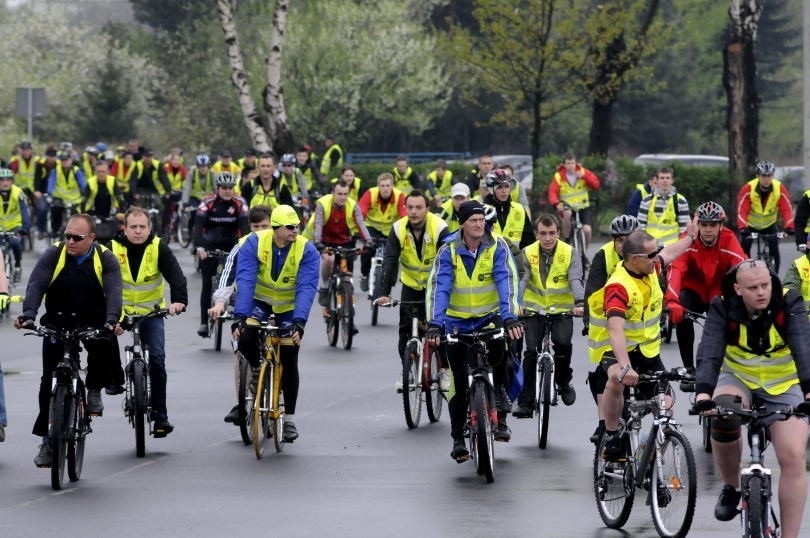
710,212
498,177
623,225
765,168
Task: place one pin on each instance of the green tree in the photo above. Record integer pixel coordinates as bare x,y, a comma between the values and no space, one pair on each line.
106,111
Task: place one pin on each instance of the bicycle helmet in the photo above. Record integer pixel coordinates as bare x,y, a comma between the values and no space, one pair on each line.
765,168
710,212
623,225
498,177
288,158
226,179
203,160
5,173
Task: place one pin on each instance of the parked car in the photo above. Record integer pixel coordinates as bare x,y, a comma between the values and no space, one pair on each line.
692,160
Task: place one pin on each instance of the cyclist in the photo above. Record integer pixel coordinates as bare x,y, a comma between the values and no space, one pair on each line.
24,167
249,164
552,281
14,217
200,184
473,282
221,220
758,202
152,184
83,284
797,276
312,175
146,264
276,275
42,172
336,222
624,334
332,157
694,278
512,221
226,164
459,193
664,214
269,188
405,178
294,180
411,248
478,175
756,346
349,177
4,299
642,191
440,180
67,183
569,187
380,206
103,198
89,159
126,171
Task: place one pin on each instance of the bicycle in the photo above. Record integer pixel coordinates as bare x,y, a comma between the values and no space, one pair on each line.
375,277
267,416
68,422
758,516
8,259
662,463
153,205
421,369
215,325
137,399
482,410
545,388
339,315
763,251
577,236
69,208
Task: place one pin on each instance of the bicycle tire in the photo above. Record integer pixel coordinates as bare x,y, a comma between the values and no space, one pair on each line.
613,488
60,407
347,315
706,427
246,399
332,325
278,410
139,410
183,237
81,426
376,291
543,402
261,407
434,400
672,503
482,432
666,327
411,390
752,512
218,334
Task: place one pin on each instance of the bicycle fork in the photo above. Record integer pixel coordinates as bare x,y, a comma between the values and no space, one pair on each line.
770,525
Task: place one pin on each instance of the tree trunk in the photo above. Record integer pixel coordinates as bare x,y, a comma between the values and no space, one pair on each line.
239,78
537,124
601,127
277,126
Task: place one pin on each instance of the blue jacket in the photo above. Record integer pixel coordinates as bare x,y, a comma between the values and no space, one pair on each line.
440,283
635,200
247,267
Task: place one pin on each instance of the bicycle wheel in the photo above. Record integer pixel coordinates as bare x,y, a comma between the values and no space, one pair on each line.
706,426
543,402
182,229
347,315
81,427
433,395
278,422
332,325
673,486
138,381
376,291
261,420
753,514
613,488
666,327
411,390
59,434
218,334
483,432
246,399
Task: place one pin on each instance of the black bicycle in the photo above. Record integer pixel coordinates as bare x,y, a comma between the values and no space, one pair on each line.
763,251
68,421
339,315
215,325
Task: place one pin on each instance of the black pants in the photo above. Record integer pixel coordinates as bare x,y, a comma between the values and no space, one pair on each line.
685,330
99,355
773,244
562,331
249,347
457,357
208,269
368,252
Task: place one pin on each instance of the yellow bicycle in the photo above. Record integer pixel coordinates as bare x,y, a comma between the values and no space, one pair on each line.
268,406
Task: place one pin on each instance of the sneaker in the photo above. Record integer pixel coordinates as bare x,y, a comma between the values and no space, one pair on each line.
567,394
445,378
597,433
162,428
614,448
364,283
43,457
95,407
290,432
355,330
726,507
2,433
202,330
460,452
113,390
503,433
323,297
233,416
522,411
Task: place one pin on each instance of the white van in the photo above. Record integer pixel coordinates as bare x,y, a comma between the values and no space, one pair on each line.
692,160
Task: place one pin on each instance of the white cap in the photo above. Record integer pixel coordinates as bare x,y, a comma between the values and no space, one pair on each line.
460,189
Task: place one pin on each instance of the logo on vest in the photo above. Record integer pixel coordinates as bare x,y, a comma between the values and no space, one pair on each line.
482,278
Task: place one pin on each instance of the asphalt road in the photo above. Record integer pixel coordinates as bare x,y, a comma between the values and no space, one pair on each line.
356,470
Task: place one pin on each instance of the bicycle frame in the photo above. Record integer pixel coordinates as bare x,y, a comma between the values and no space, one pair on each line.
376,261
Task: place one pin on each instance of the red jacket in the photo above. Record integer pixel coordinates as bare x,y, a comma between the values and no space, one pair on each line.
783,205
591,181
701,268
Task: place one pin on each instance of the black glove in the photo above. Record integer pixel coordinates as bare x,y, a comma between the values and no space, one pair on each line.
585,330
789,231
238,323
803,408
298,327
110,324
25,321
744,231
512,323
704,405
497,321
434,331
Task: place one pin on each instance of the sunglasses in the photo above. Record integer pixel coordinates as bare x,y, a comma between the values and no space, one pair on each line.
288,226
286,165
75,237
653,254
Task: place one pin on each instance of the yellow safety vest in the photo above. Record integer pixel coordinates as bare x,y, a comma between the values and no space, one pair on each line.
278,293
291,180
400,180
326,161
760,217
122,176
443,185
11,217
24,177
262,197
156,177
641,320
354,190
201,189
60,262
326,202
556,292
416,270
144,292
92,185
447,211
233,168
378,219
175,178
65,190
576,196
612,257
477,295
775,371
513,228
803,265
664,228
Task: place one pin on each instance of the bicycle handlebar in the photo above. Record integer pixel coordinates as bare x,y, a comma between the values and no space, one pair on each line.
131,320
676,374
496,333
65,335
778,235
548,315
397,302
750,415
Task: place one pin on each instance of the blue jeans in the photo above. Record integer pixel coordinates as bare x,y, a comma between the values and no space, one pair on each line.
3,416
153,337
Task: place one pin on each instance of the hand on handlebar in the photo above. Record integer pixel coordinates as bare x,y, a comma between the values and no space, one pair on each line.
382,300
627,376
514,328
176,309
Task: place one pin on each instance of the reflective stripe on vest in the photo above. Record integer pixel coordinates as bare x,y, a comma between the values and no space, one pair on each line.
803,267
60,262
378,219
92,185
557,290
146,290
443,185
262,197
175,178
448,212
641,321
326,161
415,271
473,296
576,196
11,216
513,228
774,370
760,217
122,176
612,257
279,293
664,228
67,188
401,182
326,202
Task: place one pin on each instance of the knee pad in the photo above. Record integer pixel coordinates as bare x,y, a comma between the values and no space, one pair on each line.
596,382
726,429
